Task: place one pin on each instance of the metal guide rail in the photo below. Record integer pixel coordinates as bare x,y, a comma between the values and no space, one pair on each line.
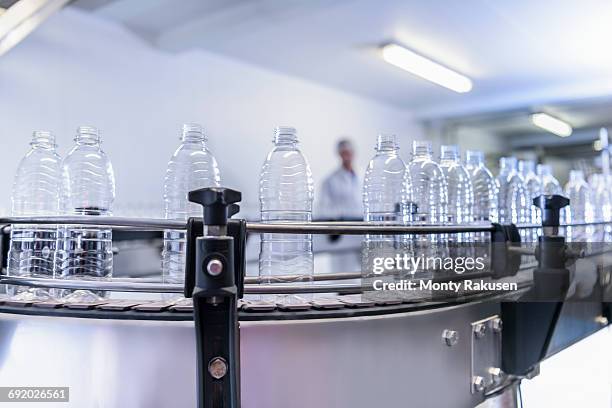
330,283
215,284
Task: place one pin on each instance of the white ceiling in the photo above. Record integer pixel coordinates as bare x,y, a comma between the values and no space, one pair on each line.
519,53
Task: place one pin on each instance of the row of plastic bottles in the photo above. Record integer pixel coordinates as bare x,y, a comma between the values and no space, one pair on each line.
453,191
422,191
83,183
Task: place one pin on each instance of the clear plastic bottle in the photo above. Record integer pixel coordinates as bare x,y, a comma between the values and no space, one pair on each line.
533,186
513,196
550,185
286,191
386,195
35,192
88,188
192,166
386,184
430,197
603,210
429,188
459,185
460,200
581,208
485,188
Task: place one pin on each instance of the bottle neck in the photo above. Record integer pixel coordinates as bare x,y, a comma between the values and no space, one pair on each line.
449,154
421,149
43,140
576,176
507,164
285,137
474,158
89,136
526,167
193,132
386,144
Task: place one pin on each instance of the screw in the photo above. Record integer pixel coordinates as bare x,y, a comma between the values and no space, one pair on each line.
480,330
214,267
451,337
496,374
602,320
217,368
497,325
478,383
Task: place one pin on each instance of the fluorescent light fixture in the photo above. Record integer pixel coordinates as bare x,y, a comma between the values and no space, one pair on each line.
551,124
425,68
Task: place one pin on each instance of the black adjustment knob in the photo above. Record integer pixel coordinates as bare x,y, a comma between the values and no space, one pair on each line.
219,203
551,206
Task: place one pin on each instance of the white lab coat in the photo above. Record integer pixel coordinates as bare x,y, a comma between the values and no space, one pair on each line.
341,196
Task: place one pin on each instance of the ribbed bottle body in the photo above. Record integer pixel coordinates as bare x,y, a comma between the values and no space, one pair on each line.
192,166
35,192
286,191
88,188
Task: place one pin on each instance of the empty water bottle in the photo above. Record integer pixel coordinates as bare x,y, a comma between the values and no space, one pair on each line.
460,200
513,196
581,208
429,188
386,188
430,197
533,186
550,185
485,188
386,185
286,194
88,188
459,185
191,167
603,206
35,193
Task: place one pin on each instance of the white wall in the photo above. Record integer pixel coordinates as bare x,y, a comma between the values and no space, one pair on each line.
78,69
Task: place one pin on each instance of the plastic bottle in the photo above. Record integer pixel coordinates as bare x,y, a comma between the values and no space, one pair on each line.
485,188
286,191
550,185
430,197
429,188
603,210
513,196
88,188
533,186
386,185
581,208
386,195
459,185
460,200
191,167
35,192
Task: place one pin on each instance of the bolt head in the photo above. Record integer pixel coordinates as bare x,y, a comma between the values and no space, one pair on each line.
496,374
217,368
450,337
214,267
480,330
497,325
602,320
478,383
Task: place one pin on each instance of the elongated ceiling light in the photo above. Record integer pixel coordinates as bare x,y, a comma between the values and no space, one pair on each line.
551,124
425,68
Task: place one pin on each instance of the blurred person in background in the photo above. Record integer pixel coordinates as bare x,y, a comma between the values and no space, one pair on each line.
341,191
341,199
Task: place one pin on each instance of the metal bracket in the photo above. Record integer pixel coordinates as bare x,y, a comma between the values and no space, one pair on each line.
486,356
